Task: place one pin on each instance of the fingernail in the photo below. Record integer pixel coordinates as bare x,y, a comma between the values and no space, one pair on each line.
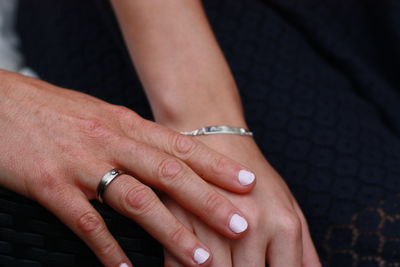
238,224
123,265
201,255
246,177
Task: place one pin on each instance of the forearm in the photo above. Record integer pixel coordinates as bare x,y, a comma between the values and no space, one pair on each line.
179,62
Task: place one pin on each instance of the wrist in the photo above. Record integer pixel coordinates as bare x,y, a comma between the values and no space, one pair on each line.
193,111
192,121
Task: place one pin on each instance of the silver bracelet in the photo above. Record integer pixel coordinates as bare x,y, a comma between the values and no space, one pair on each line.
219,129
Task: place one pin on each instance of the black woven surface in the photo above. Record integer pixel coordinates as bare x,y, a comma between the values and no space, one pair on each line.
320,85
31,236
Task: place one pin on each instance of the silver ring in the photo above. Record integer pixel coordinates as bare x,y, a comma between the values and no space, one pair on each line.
105,181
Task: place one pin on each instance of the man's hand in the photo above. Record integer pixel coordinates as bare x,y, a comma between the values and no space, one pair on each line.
56,144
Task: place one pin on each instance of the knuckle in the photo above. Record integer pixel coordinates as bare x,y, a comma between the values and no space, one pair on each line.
289,224
49,183
177,236
107,249
219,164
169,170
251,210
183,145
90,222
47,180
213,202
121,110
140,198
124,113
95,128
129,120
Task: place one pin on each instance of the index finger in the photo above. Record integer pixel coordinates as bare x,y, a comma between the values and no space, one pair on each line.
207,163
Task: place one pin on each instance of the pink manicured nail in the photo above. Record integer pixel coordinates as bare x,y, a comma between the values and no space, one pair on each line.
238,224
123,265
201,255
246,177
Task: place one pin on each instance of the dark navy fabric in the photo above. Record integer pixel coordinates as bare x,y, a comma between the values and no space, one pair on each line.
320,82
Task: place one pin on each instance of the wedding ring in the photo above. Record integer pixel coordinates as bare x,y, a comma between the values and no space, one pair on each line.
105,181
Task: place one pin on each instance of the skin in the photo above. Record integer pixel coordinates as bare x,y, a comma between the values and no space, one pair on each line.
57,144
189,85
68,140
278,232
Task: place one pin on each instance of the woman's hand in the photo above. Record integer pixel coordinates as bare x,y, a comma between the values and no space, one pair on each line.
277,233
189,85
56,144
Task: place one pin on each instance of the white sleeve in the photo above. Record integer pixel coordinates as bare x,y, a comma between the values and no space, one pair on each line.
10,57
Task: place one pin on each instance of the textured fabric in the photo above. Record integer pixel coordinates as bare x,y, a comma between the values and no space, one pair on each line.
320,86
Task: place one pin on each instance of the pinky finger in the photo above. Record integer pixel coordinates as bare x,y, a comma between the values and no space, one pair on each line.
73,209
